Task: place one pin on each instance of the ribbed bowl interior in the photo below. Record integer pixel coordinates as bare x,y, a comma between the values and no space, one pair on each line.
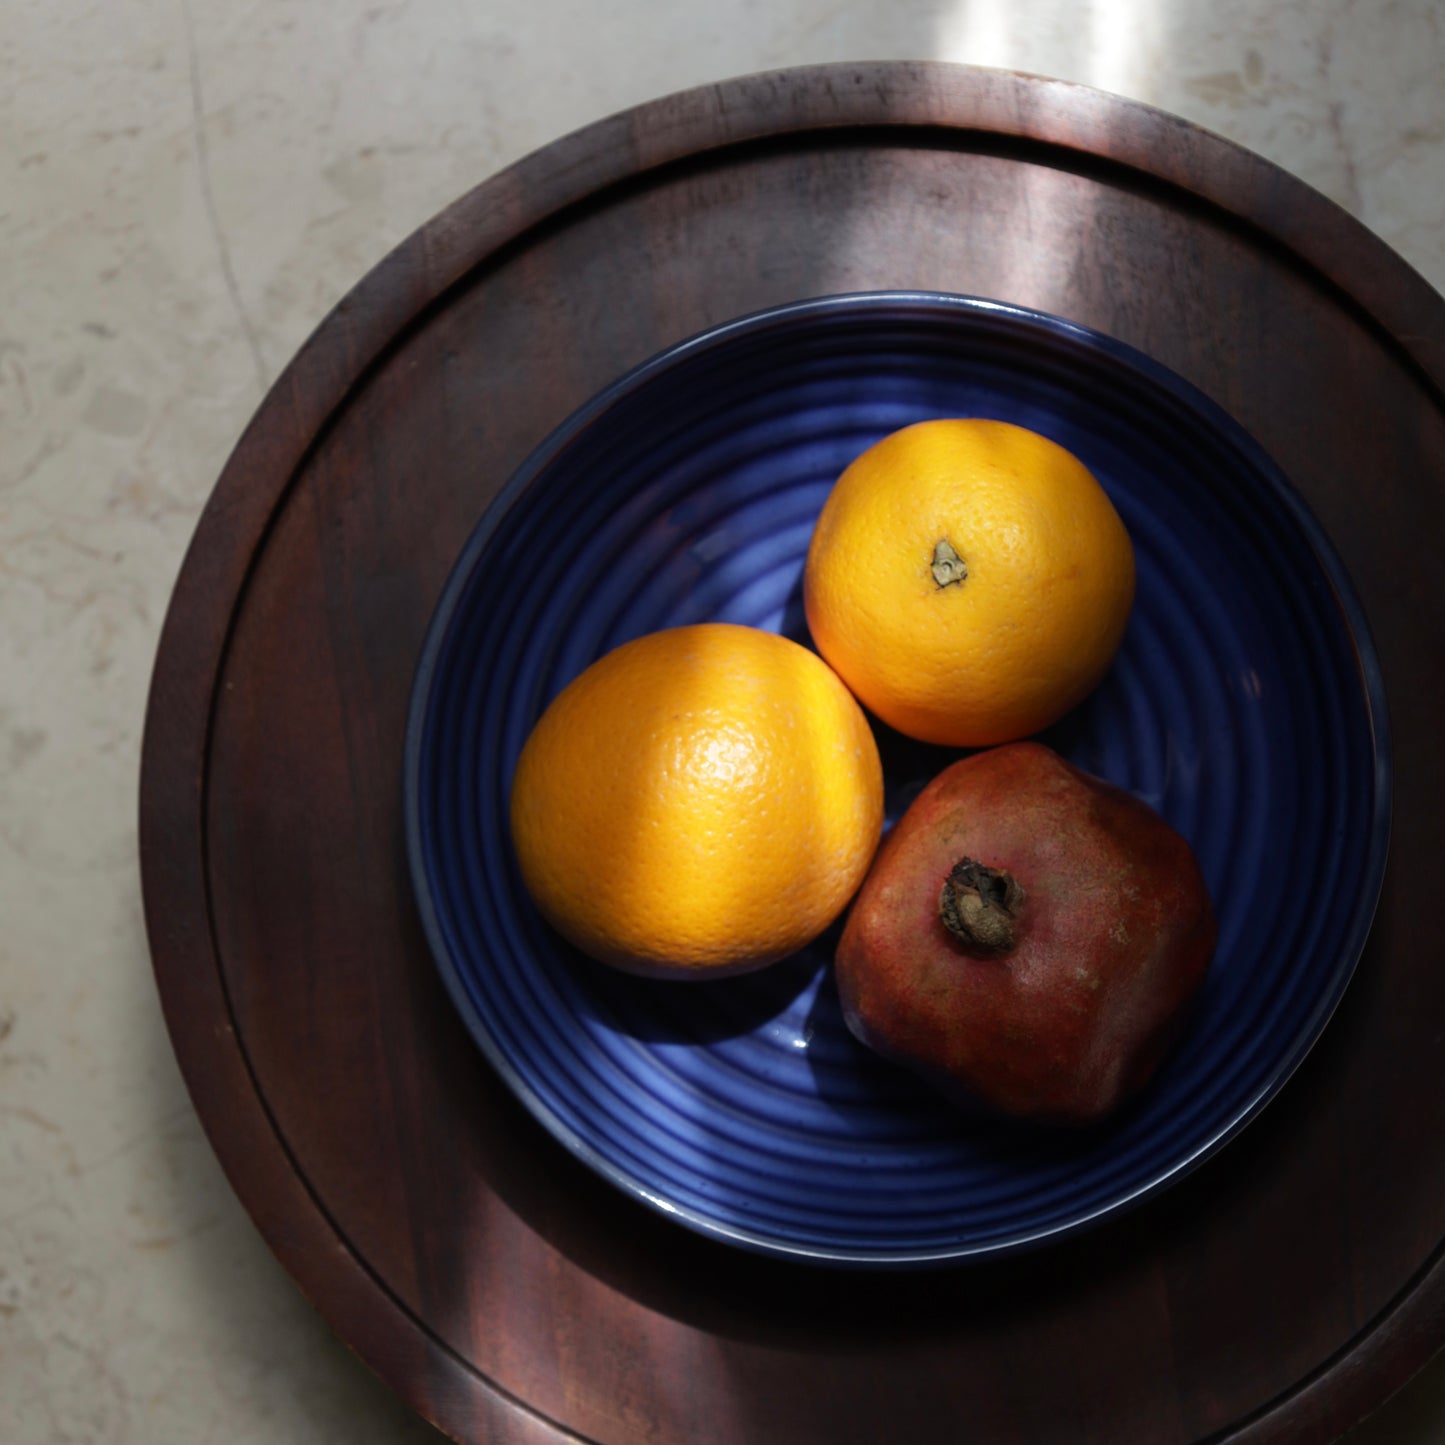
1245,705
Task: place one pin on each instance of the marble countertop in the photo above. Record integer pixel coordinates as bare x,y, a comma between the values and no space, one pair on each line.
186,188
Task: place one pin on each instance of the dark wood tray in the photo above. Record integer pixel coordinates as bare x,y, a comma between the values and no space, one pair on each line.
1278,1294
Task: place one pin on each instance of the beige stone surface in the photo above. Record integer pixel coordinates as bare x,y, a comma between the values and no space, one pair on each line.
186,187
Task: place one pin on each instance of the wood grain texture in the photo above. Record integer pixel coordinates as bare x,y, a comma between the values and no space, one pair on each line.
506,1293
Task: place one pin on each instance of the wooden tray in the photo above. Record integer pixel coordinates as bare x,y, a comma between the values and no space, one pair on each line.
1278,1294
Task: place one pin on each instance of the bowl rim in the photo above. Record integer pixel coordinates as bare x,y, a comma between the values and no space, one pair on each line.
923,305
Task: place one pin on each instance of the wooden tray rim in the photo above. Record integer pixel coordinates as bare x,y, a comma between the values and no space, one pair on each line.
232,530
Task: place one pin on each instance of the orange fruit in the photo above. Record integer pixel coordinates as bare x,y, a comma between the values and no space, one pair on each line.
969,580
701,801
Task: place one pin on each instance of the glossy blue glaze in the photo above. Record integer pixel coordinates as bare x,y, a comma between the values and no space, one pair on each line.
1246,705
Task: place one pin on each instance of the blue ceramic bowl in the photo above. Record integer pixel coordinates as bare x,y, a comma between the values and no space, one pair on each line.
1245,705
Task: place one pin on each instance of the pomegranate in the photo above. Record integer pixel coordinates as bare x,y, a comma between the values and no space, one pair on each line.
1028,938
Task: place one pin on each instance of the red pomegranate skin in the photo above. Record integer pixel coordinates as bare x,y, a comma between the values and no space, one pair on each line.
1112,939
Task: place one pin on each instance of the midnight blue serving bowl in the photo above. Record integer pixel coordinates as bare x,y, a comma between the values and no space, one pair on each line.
1245,705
